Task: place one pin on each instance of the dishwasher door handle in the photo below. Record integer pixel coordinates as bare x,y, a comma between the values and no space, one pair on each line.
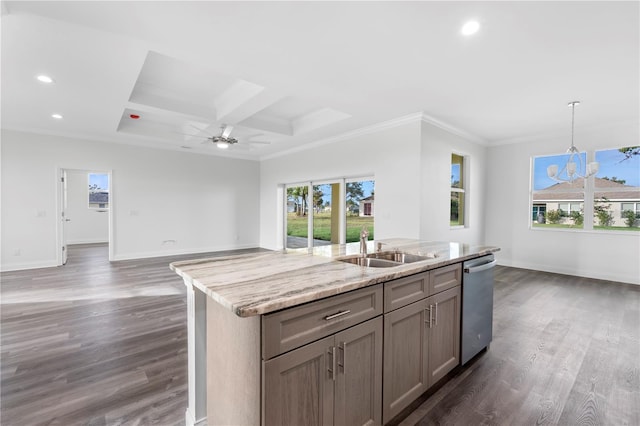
480,268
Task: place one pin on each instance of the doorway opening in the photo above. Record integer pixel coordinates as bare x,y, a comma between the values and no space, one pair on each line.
85,206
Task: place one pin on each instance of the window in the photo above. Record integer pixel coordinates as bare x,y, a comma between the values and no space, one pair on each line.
457,211
597,204
360,208
334,214
617,189
633,207
562,203
296,213
98,190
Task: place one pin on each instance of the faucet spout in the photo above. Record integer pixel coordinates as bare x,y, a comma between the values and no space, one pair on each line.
364,236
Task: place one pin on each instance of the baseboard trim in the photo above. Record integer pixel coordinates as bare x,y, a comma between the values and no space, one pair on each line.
554,270
28,265
98,241
189,420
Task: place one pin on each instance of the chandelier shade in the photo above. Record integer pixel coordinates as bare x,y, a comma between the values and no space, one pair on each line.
576,166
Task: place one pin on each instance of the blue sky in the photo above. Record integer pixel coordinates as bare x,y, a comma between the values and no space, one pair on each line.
455,173
102,180
611,164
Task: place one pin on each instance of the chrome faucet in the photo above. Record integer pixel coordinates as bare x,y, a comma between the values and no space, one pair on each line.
364,236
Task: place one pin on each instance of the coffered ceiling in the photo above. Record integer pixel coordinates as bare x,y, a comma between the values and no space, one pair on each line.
286,74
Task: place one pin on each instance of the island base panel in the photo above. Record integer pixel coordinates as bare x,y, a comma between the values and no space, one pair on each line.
233,367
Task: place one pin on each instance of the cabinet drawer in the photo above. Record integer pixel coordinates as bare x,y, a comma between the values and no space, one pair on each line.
445,278
294,327
403,291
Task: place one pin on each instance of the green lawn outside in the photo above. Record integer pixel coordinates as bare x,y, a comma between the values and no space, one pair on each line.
297,226
595,227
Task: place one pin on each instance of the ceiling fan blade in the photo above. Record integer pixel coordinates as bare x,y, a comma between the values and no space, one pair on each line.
227,131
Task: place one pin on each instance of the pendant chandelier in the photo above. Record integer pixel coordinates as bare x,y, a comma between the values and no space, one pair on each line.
575,167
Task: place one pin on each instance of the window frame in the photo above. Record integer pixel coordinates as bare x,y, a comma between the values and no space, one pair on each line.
462,190
108,203
588,199
342,225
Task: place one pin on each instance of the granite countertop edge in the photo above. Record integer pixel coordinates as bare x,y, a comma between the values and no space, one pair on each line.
260,283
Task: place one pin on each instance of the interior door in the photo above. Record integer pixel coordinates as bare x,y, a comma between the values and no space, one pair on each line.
63,215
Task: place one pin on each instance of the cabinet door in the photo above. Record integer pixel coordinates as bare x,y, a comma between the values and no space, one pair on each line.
358,387
405,375
298,386
444,333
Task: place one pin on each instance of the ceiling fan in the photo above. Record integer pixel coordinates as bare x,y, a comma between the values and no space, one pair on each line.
224,140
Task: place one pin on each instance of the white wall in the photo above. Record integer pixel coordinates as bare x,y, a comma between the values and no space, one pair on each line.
593,254
392,156
86,225
435,200
411,164
203,203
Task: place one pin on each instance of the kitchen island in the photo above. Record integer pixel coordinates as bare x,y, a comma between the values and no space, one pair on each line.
249,315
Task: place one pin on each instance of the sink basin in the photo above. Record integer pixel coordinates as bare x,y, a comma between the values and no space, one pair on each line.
400,257
386,259
370,262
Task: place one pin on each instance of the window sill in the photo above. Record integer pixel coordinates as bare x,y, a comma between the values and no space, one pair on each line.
585,231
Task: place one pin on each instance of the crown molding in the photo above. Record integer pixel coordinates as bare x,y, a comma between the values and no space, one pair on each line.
452,129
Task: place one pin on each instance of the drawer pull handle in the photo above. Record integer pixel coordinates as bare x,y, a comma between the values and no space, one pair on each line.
430,319
336,315
332,369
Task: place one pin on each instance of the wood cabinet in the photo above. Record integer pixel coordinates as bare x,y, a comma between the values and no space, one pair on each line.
422,339
405,374
335,380
325,362
444,333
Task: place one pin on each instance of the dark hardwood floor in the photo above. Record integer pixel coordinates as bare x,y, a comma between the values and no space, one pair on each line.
99,343
94,342
565,351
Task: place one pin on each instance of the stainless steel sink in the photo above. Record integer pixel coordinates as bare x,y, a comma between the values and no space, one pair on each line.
386,259
400,257
370,262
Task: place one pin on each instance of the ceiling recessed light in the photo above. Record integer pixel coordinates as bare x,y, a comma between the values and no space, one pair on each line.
44,79
56,116
470,27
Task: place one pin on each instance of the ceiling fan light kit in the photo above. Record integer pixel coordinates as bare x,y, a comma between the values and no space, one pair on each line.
573,169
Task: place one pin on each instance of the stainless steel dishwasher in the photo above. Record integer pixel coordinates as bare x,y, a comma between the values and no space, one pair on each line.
477,306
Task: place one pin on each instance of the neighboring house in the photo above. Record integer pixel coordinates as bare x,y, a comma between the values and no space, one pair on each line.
366,206
99,200
619,197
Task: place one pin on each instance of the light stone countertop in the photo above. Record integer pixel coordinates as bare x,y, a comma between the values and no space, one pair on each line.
260,283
